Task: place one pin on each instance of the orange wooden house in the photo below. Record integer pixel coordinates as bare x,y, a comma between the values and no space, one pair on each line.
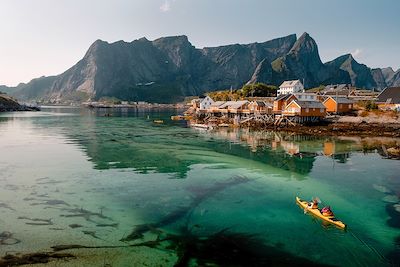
305,109
281,101
335,104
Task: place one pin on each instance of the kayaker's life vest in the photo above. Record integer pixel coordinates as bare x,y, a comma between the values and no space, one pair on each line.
312,205
326,211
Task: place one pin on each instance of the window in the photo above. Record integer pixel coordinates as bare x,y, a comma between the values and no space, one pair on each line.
321,110
307,110
349,106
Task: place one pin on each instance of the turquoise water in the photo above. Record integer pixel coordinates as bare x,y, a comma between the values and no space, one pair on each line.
75,176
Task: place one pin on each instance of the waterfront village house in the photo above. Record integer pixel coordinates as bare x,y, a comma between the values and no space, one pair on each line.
336,104
365,95
306,96
258,106
235,106
195,103
305,109
281,101
290,87
215,107
389,99
337,89
206,103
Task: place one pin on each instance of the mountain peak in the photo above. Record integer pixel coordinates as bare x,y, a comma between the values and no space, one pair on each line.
176,38
342,59
305,44
305,35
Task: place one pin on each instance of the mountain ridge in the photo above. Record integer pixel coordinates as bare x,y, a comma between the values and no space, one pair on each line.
169,68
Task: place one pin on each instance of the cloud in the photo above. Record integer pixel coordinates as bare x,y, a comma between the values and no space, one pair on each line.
166,6
357,52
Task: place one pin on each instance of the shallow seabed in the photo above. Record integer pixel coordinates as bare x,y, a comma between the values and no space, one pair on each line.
76,177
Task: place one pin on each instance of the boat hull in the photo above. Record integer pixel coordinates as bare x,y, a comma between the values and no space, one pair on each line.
317,213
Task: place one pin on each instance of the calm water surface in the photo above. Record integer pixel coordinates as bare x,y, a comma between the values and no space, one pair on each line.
74,176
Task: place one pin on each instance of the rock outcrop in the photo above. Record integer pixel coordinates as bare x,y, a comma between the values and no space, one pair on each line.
360,74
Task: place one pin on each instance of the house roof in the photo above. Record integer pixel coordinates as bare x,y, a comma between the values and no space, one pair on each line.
217,104
289,83
260,103
340,89
233,104
390,95
340,100
336,87
207,97
283,97
309,104
238,104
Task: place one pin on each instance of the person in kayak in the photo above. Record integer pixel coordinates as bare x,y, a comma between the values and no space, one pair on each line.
326,211
313,204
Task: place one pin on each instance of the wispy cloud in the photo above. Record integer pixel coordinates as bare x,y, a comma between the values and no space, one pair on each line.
357,52
166,6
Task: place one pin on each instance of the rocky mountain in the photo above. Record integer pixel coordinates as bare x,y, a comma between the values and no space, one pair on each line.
395,79
388,74
378,77
360,74
301,62
35,89
169,68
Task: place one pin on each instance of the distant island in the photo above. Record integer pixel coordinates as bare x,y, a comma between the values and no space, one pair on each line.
170,68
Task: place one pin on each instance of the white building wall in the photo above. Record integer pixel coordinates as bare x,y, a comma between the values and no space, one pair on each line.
206,102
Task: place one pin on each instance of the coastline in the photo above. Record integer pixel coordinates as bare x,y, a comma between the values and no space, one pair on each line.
338,129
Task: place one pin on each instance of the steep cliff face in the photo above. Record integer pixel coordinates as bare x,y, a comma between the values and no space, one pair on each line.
169,68
301,62
360,74
395,79
388,74
162,70
379,79
237,63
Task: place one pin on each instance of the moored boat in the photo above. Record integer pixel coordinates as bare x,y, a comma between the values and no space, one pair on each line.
201,126
316,212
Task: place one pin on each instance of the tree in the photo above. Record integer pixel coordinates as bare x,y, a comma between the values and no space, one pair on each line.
258,90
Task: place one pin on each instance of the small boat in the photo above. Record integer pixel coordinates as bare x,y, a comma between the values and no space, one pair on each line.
177,118
317,213
201,126
158,121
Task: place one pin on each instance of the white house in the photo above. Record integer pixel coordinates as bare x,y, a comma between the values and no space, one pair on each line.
290,87
306,96
206,103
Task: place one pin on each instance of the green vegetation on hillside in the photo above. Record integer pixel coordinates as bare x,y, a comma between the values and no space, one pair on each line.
259,90
248,90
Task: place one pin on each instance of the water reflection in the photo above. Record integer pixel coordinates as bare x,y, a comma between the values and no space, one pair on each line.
130,139
85,202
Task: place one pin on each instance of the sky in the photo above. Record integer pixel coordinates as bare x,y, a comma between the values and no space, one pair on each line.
46,37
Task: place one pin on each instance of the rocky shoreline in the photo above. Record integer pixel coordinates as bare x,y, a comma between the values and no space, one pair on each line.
339,129
9,104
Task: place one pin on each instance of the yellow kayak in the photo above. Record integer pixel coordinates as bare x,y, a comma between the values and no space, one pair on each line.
317,213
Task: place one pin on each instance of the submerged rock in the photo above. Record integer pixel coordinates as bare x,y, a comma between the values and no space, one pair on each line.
32,258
